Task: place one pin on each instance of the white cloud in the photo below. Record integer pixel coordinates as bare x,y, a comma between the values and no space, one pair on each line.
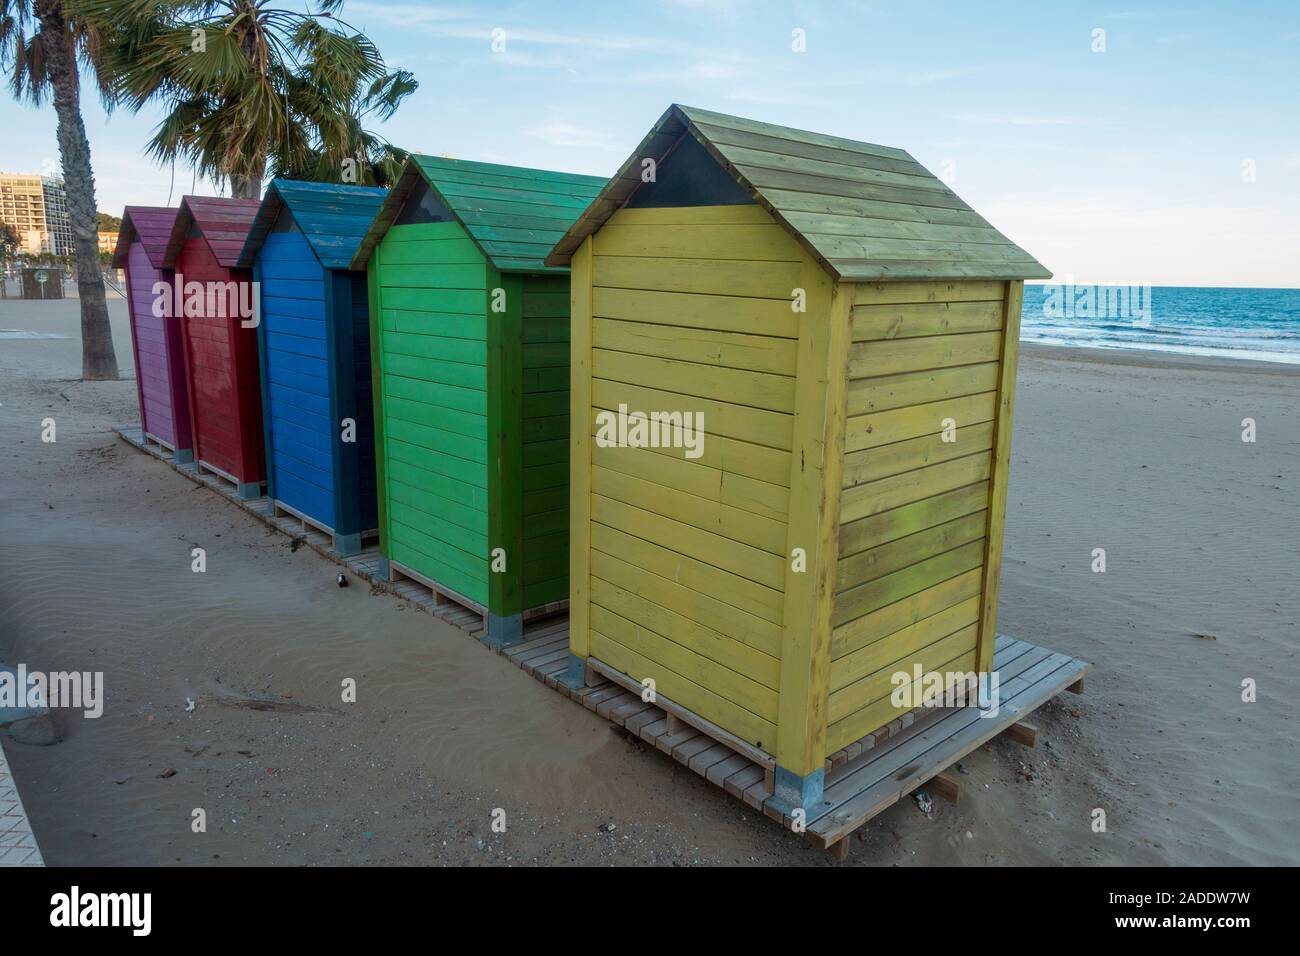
570,135
1007,119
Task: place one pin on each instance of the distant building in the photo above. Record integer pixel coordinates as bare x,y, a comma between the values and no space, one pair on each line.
57,222
22,205
107,242
37,208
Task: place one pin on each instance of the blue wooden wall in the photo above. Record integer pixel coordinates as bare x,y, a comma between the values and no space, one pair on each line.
301,434
316,372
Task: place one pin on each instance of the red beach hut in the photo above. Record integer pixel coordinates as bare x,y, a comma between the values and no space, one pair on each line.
216,306
155,333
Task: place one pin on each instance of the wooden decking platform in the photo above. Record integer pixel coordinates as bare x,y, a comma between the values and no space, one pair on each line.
861,780
857,788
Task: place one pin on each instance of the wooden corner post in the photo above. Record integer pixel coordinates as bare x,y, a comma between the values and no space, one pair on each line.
264,388
342,369
816,474
505,451
374,306
998,479
580,308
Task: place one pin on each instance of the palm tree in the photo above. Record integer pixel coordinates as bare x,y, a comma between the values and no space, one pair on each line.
342,148
246,84
42,46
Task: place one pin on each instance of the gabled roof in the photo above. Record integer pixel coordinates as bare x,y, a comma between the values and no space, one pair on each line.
223,222
513,214
333,218
150,226
864,212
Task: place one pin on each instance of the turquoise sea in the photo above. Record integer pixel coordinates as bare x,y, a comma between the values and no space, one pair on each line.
1261,324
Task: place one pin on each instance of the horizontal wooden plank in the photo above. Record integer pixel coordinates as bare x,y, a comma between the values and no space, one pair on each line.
681,689
936,652
753,389
761,672
870,532
872,563
874,497
696,478
758,426
725,586
732,457
721,313
910,580
914,319
855,725
900,424
884,392
789,200
907,355
765,242
863,155
892,293
884,226
710,515
873,657
763,280
742,214
687,602
873,464
740,559
730,350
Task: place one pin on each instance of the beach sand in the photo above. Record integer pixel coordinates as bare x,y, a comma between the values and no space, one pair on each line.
1137,453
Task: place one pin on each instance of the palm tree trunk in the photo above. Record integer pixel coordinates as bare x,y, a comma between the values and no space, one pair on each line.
248,184
98,360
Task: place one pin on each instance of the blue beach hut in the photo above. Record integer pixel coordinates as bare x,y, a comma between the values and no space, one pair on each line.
314,347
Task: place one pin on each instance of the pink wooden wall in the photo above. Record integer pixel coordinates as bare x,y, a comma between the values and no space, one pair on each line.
159,369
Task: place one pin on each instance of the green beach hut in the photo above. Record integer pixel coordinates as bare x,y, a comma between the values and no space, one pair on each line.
469,337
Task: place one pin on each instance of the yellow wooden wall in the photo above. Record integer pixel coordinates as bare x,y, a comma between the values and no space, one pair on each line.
920,518
678,565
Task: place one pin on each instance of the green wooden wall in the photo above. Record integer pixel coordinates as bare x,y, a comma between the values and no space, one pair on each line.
472,417
432,341
546,439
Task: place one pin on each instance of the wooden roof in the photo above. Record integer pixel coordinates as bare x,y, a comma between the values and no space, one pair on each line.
333,218
224,224
514,215
150,226
864,212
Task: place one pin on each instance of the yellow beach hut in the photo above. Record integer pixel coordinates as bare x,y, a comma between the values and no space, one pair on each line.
840,328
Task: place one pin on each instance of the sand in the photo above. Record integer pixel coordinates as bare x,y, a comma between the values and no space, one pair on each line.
1136,453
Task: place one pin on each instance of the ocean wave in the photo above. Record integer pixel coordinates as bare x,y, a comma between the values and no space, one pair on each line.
1261,324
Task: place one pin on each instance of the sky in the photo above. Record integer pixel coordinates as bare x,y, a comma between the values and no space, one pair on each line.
1152,143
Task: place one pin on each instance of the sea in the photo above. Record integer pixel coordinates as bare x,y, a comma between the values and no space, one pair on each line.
1259,324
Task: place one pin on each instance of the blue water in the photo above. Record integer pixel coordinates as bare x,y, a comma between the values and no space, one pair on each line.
1261,324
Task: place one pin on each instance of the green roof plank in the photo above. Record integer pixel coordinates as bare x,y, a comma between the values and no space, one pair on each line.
513,214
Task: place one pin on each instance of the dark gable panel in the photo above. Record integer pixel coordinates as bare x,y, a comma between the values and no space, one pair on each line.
285,222
689,176
423,206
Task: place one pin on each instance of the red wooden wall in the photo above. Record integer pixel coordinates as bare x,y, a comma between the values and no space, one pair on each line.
221,365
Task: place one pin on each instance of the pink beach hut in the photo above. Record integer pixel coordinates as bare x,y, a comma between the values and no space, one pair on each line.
156,341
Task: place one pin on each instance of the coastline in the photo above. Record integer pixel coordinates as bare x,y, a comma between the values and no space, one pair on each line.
1154,358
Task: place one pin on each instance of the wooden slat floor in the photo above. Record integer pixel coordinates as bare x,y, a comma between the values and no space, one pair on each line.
861,780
